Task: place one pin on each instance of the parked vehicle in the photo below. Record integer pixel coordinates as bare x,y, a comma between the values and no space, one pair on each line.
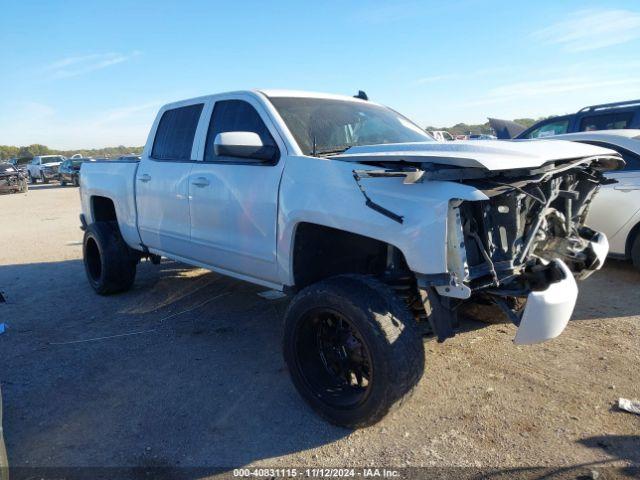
481,136
20,164
441,135
69,171
607,116
44,168
12,180
616,209
357,213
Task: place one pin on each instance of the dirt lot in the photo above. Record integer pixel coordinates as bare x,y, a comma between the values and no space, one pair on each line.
186,370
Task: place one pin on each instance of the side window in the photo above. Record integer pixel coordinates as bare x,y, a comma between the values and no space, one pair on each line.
549,129
631,159
236,116
175,133
608,121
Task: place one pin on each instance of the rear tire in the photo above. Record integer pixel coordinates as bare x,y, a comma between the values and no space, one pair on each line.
635,251
109,263
353,349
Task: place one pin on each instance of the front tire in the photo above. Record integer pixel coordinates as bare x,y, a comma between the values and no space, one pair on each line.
353,349
43,178
109,263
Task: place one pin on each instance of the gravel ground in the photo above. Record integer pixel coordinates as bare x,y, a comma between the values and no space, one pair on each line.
186,370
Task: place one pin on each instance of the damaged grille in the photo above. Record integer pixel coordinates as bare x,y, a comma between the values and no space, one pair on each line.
525,223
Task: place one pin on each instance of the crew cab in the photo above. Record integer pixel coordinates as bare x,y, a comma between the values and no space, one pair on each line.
44,168
372,227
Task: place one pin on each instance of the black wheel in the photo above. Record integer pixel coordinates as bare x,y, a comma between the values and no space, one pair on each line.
109,263
635,251
353,349
76,181
31,179
62,182
43,178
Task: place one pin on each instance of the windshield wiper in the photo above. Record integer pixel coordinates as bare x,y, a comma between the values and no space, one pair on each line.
332,151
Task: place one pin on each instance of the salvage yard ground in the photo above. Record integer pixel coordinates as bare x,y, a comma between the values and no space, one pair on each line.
186,370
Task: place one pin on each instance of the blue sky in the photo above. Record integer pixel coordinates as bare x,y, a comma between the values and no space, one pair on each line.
89,74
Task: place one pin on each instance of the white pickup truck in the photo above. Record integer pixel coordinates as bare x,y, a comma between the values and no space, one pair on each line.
370,225
44,168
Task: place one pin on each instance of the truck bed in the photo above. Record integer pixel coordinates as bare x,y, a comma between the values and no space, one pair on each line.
114,179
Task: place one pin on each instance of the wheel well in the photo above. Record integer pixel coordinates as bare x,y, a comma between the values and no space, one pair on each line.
103,209
320,252
635,231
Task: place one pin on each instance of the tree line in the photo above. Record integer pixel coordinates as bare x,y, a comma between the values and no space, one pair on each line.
30,151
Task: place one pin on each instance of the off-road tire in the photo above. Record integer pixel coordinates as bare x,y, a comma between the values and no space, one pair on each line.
635,251
43,178
388,330
109,263
62,183
31,179
76,181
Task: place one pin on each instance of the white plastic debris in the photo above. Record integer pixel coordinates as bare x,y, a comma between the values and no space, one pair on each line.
271,295
632,406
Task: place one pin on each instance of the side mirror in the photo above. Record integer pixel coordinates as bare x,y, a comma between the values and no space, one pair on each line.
242,145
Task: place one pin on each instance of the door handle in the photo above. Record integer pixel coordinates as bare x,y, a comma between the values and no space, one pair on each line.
200,182
144,178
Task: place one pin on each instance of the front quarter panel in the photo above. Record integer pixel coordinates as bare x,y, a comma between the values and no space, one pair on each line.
324,192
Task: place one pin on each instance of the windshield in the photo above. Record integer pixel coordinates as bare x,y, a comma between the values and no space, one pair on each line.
52,159
335,125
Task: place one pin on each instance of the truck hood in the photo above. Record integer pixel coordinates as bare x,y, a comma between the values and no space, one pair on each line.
491,155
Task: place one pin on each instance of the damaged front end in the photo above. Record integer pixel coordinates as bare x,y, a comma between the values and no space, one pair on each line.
523,248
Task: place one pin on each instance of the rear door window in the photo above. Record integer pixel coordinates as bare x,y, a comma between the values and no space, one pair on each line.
235,116
175,133
609,121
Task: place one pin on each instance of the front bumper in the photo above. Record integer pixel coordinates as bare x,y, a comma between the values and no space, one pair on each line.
547,312
49,174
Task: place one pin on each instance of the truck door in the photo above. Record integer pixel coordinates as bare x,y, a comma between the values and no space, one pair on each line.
162,182
234,201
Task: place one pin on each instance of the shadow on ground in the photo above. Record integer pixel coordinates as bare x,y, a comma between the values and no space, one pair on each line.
184,370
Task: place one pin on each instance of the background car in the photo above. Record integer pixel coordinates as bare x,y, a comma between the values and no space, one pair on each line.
11,179
441,135
607,116
20,163
69,170
44,168
481,136
615,210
